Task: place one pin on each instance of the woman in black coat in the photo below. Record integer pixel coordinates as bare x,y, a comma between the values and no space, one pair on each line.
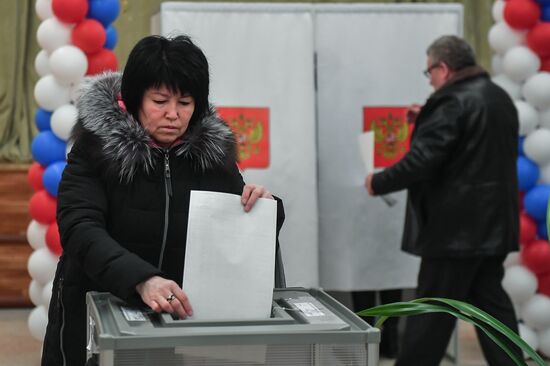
143,141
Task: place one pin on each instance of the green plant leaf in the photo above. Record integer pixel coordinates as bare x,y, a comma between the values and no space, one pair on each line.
491,326
493,322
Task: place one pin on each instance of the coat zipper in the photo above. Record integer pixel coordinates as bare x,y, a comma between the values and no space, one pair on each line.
167,195
60,302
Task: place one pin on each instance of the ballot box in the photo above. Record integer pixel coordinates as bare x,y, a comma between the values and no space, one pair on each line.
306,327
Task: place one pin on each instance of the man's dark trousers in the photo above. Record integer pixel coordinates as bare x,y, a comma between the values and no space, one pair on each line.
476,280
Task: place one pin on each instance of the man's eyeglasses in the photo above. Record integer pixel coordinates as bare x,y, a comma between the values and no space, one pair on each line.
428,71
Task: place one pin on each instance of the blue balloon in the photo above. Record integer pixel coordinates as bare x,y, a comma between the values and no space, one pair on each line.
536,201
47,148
112,37
528,173
542,230
545,12
520,146
52,177
544,2
42,119
105,11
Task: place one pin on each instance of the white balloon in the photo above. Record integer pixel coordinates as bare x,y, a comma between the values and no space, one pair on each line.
544,341
75,92
49,94
517,311
537,146
529,336
37,322
498,10
42,63
42,265
63,121
545,174
43,9
511,87
36,234
536,90
519,283
544,117
496,64
52,34
536,312
46,294
528,117
502,37
512,259
68,64
520,63
35,293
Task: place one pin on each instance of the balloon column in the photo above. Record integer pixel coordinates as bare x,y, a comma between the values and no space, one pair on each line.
77,38
520,38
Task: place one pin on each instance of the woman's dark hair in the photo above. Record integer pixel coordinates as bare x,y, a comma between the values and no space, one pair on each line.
176,63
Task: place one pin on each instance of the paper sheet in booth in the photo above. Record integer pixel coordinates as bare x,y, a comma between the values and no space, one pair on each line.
230,257
366,148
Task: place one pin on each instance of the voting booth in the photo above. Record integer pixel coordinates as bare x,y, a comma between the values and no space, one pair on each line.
306,327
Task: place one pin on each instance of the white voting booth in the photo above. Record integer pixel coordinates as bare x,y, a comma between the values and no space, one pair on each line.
367,56
314,69
262,57
362,64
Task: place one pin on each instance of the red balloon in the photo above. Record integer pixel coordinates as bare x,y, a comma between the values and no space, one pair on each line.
545,65
544,284
536,256
521,14
538,39
70,11
527,228
42,207
89,35
102,61
53,242
34,176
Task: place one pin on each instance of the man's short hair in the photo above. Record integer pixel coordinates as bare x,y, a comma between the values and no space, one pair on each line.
452,51
176,63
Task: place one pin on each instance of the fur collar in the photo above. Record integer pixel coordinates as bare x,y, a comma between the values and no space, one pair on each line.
127,147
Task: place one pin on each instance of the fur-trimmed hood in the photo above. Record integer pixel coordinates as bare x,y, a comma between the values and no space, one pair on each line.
125,144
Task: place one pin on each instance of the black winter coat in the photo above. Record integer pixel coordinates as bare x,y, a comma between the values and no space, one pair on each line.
119,200
460,172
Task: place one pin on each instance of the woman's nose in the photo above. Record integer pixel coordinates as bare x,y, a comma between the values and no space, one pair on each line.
172,111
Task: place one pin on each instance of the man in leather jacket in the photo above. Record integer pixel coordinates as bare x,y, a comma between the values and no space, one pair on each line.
462,209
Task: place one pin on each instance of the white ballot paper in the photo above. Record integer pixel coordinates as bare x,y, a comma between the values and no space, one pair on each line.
366,147
230,257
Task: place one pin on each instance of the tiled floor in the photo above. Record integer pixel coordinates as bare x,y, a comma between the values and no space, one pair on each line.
18,348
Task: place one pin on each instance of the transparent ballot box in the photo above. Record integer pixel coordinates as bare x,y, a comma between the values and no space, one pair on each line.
306,327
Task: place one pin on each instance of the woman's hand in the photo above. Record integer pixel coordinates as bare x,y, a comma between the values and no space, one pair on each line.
164,295
251,193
